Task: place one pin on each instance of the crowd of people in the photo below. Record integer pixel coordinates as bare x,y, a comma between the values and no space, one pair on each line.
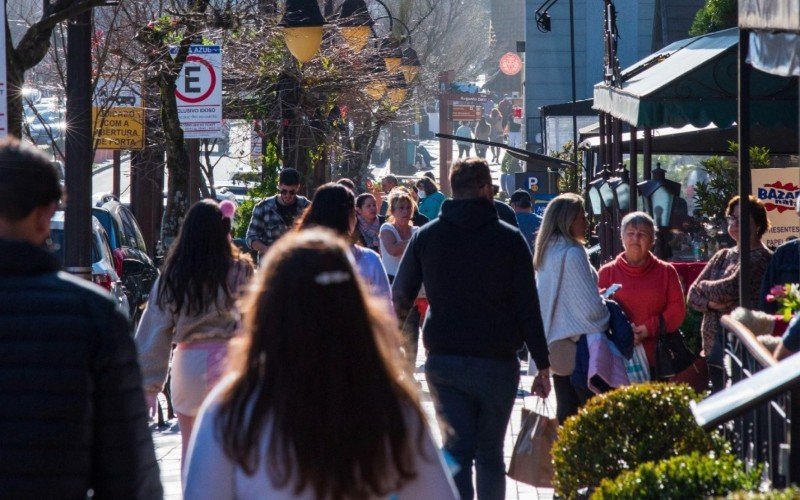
497,124
292,377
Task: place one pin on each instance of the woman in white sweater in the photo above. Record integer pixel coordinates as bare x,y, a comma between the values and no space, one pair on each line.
568,294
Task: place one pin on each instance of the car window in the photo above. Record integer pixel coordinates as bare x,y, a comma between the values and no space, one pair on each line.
105,218
131,229
101,246
97,247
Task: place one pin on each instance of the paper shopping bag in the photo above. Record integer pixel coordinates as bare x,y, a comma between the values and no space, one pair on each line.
531,462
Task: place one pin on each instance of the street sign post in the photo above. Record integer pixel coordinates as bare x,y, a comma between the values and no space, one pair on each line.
465,112
199,92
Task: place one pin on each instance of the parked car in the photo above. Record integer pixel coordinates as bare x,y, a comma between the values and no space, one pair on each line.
237,193
46,126
131,260
103,269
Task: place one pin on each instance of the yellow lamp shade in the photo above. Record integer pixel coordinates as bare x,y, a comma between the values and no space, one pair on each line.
356,37
303,42
396,95
409,72
392,63
376,90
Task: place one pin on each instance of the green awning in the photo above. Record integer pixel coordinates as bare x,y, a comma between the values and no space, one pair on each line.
693,82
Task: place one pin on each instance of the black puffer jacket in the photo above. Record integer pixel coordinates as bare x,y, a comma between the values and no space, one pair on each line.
478,276
72,412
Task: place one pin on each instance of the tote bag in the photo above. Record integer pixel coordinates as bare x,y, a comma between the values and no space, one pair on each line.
531,461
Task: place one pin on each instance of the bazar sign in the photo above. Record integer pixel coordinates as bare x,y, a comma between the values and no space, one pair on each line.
777,189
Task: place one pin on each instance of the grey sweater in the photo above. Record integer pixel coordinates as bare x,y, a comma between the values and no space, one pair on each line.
578,309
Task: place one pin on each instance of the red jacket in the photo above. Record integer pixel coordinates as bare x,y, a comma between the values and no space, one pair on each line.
647,292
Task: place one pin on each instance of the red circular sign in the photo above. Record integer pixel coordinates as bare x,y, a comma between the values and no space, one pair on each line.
510,64
204,95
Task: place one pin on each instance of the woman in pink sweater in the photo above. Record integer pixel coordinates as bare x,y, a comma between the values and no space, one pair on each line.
650,286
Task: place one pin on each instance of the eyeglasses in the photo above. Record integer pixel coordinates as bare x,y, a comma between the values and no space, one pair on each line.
637,235
290,192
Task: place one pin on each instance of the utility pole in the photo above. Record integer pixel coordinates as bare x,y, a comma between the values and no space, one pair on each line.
78,145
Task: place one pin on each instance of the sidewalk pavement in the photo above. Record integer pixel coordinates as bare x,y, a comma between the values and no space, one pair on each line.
168,443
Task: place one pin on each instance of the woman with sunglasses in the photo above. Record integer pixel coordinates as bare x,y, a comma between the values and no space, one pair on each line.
716,290
317,404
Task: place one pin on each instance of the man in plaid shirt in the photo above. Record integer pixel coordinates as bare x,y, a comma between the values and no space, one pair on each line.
275,215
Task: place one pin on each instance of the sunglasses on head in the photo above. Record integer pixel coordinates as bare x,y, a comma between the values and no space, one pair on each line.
290,192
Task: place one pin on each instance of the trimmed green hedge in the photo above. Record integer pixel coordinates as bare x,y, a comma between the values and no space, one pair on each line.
787,494
685,476
620,430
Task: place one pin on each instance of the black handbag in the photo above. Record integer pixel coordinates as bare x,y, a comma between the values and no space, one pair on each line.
672,355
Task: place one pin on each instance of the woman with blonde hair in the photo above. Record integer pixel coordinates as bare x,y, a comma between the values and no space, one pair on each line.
316,405
396,233
568,295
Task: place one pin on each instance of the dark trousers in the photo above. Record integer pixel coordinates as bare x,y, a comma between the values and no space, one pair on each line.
463,150
569,398
411,334
716,365
474,398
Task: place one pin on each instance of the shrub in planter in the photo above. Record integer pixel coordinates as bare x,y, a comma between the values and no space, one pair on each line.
623,429
685,476
787,494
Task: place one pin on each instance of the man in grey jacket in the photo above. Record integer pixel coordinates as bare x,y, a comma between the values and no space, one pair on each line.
72,412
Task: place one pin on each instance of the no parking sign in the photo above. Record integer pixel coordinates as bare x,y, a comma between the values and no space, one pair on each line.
198,91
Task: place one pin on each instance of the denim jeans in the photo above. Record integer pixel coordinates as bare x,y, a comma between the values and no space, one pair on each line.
474,398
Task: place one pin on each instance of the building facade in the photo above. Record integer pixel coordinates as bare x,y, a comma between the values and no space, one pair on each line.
508,27
644,26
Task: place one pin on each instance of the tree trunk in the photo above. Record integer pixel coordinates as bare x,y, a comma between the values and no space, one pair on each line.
177,162
15,77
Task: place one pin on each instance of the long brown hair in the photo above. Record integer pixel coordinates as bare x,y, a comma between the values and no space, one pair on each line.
318,361
197,264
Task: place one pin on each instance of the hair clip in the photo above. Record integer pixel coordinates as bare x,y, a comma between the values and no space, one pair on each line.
331,277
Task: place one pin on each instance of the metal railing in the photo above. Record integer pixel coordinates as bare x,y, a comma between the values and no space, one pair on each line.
762,434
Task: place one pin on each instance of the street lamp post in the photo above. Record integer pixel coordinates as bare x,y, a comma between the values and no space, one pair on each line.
658,198
543,23
302,25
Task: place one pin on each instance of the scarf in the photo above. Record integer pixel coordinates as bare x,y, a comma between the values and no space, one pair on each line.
370,232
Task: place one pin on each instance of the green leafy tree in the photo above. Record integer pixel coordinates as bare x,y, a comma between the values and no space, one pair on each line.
570,180
712,197
715,15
